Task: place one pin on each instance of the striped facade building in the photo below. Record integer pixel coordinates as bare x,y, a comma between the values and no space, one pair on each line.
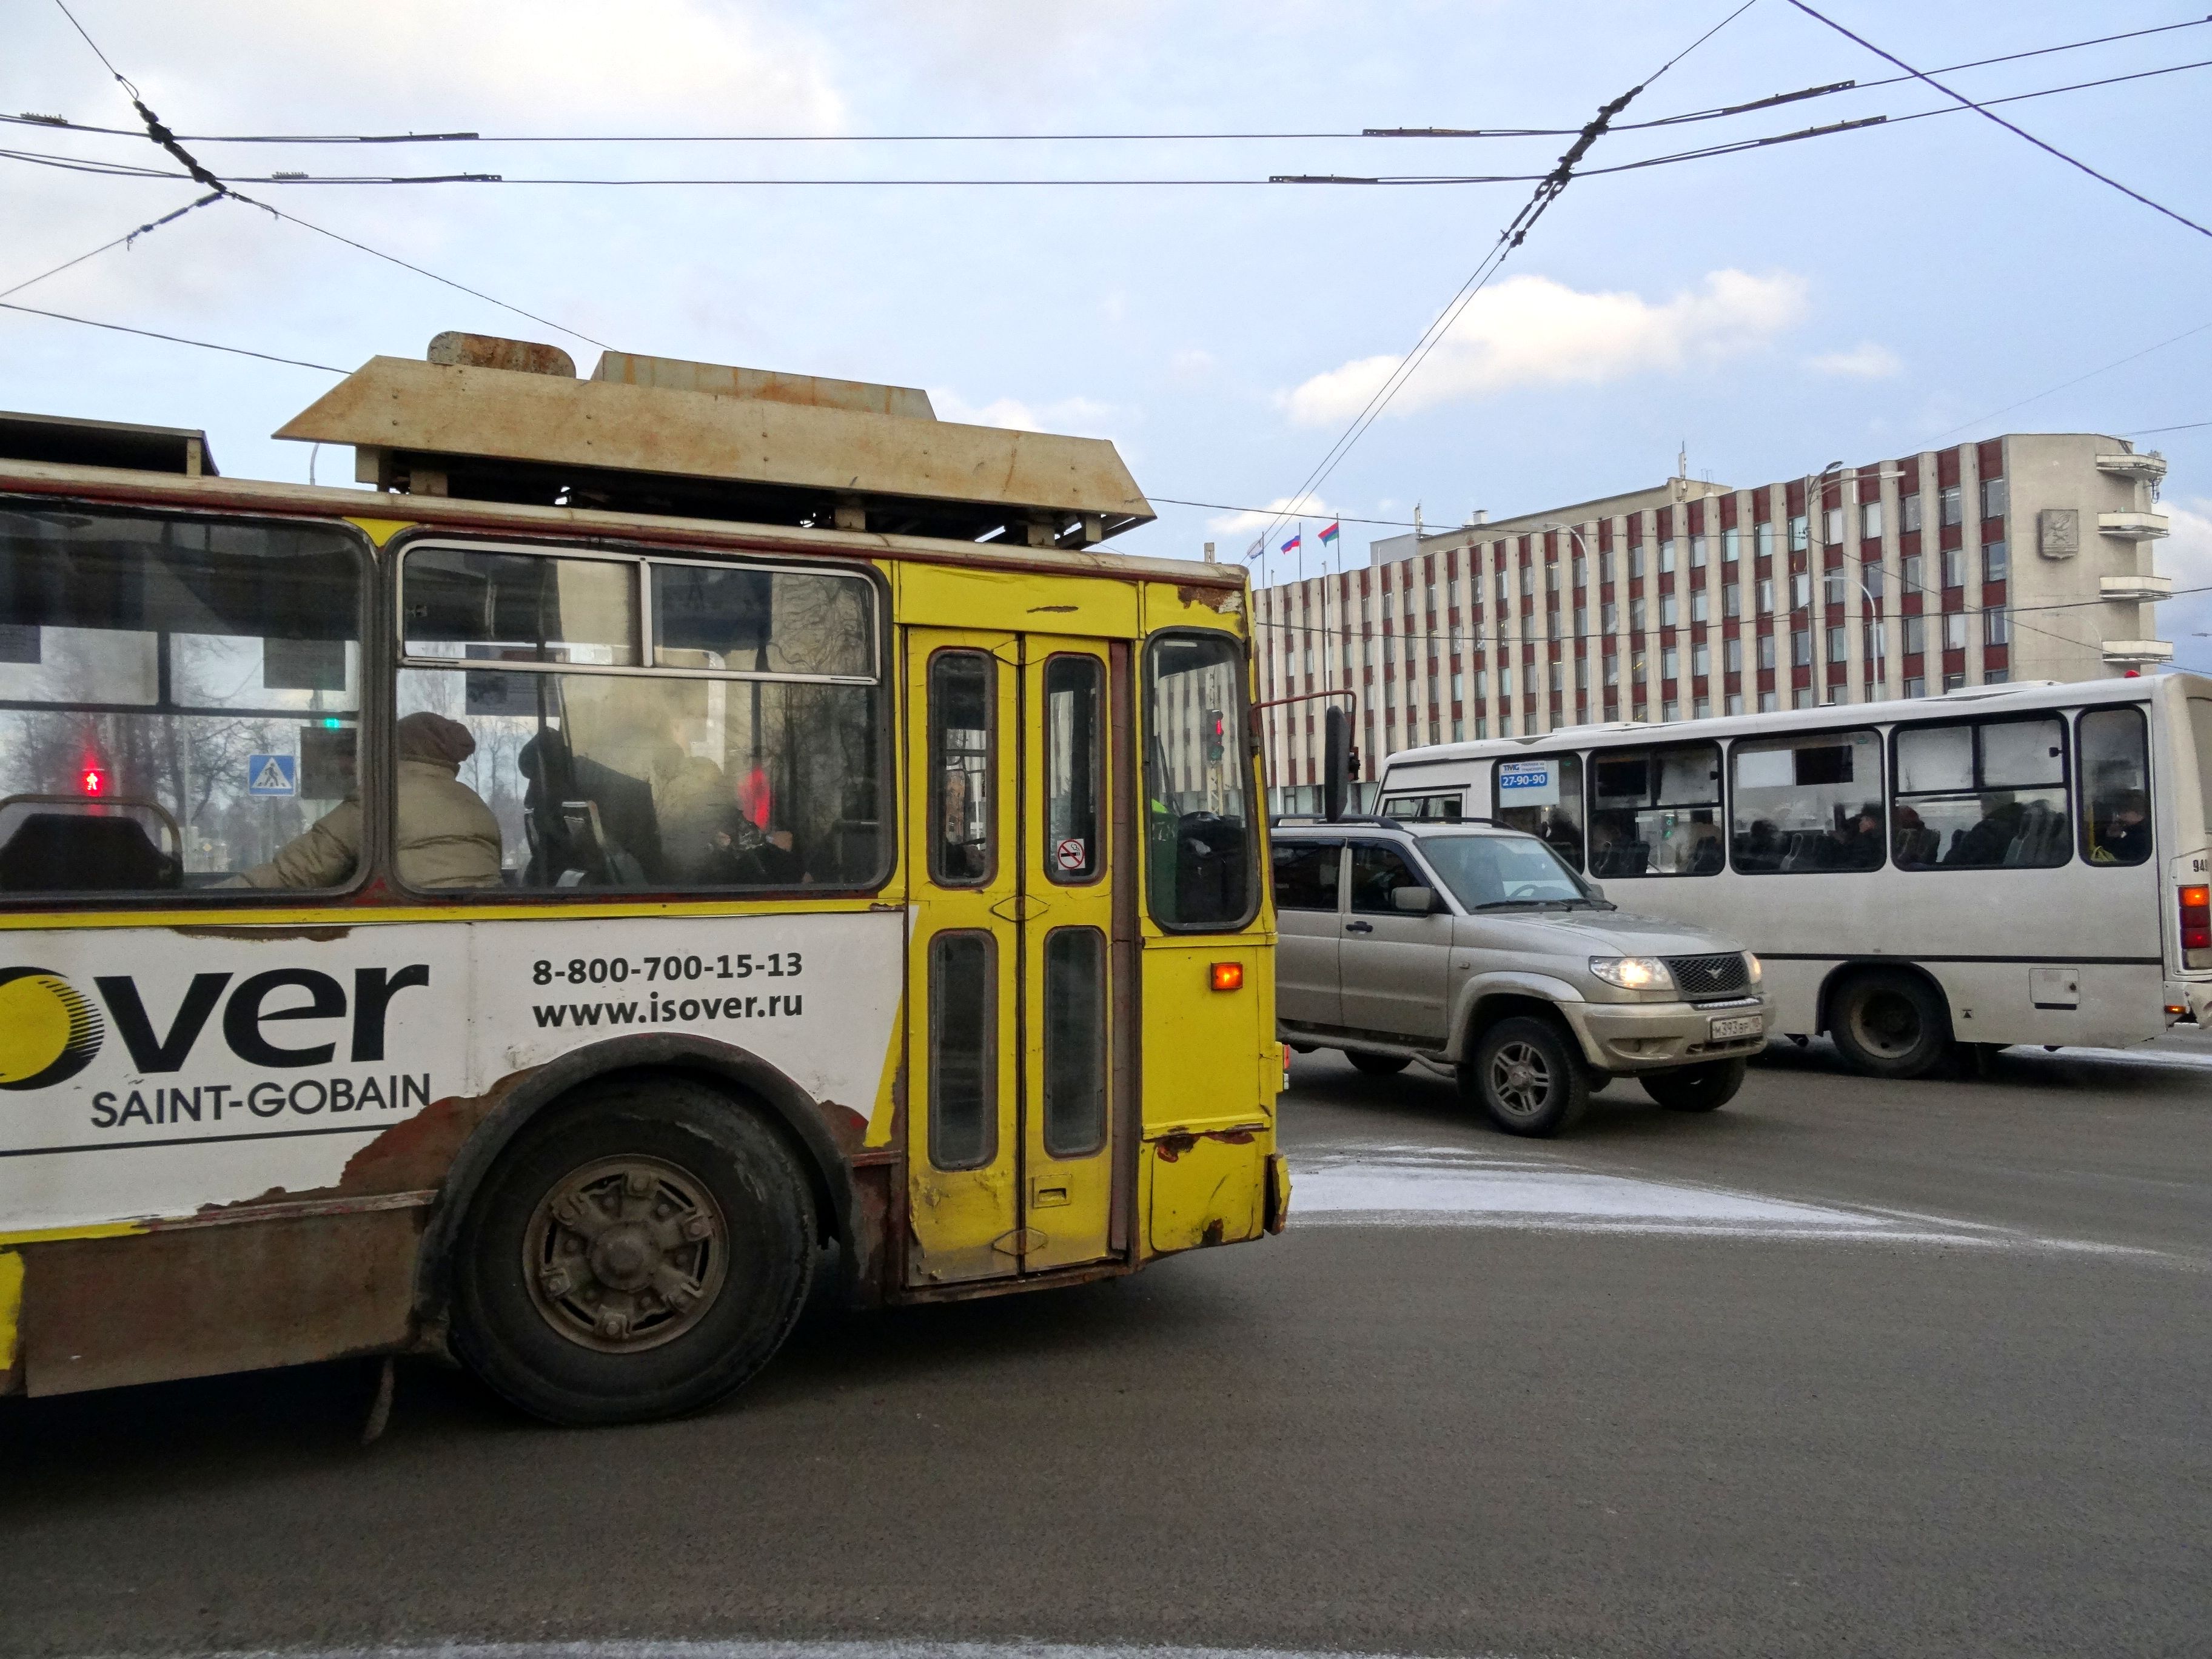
2023,557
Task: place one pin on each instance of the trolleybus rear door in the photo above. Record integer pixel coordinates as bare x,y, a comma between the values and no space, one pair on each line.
964,1033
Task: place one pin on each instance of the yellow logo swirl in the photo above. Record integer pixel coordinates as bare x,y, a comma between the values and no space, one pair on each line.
48,1031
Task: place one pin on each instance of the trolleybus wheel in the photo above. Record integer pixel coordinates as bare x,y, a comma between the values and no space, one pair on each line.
1889,1024
1695,1088
1528,1077
1375,1064
641,1253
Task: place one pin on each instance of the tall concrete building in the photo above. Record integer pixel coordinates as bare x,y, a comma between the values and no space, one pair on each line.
2023,557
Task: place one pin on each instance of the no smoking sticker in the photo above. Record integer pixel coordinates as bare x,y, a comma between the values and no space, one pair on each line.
1070,853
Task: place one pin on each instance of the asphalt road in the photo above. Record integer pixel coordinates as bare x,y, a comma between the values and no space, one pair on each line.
1845,1367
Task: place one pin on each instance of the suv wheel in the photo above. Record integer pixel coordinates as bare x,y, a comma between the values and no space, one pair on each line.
1528,1077
1889,1024
1695,1088
1375,1064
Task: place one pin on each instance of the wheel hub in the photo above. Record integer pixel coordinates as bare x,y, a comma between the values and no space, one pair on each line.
1519,1080
625,1253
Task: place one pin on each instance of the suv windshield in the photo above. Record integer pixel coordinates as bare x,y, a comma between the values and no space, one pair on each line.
1492,870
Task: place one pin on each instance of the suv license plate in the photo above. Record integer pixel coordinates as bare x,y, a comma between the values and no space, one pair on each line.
1735,1025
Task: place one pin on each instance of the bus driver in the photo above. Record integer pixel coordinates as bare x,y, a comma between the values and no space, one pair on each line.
447,836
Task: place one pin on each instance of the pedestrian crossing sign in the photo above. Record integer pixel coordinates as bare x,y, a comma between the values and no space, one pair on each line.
272,775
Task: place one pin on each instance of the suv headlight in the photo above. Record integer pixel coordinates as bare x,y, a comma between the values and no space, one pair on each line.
1753,970
1633,972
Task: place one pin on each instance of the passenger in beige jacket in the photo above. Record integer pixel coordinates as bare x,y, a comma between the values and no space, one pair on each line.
448,836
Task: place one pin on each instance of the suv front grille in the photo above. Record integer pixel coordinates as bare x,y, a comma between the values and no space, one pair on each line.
1710,977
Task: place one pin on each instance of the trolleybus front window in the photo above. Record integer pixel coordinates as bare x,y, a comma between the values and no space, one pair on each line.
1199,857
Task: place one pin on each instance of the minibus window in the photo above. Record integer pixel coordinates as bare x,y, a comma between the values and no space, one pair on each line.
1199,853
1656,812
1807,803
1545,797
2115,826
1074,686
1981,796
744,753
178,702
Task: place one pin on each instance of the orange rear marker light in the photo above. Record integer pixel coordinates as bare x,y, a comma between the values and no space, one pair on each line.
1228,976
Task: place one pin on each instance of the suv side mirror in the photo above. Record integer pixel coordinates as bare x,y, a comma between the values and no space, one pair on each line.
1339,763
1416,900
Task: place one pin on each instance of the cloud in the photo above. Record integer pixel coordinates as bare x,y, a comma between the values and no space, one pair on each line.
2186,556
1531,331
1312,509
1865,361
1079,417
1191,366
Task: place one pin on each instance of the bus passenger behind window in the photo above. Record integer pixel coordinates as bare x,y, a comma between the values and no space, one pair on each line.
2124,837
447,836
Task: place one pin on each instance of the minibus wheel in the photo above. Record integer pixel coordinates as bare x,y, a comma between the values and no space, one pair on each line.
1889,1024
1528,1077
1375,1064
639,1253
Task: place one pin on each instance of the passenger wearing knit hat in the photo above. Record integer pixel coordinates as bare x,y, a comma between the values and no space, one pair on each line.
447,836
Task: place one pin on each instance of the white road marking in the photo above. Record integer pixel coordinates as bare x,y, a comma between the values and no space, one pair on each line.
796,1650
1446,1186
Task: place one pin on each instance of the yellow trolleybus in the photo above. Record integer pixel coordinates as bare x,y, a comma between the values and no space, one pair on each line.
688,827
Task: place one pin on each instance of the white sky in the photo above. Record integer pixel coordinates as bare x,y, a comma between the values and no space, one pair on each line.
1847,298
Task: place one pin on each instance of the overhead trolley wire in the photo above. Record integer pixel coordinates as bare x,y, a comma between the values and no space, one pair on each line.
1515,232
1982,109
217,188
1704,153
1715,113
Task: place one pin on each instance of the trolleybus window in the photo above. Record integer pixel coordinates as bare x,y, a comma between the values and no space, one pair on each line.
741,749
1200,859
1544,796
964,1049
1074,1042
1655,812
1073,688
1981,795
1807,803
2115,787
178,701
962,846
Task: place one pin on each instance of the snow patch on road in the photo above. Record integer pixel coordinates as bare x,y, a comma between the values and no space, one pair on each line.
1442,1187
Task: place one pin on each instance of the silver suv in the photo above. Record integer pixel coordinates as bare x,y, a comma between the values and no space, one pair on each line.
1478,948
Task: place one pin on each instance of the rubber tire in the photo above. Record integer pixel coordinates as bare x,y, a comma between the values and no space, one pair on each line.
1704,1088
1570,1090
1849,1004
1371,1064
500,1336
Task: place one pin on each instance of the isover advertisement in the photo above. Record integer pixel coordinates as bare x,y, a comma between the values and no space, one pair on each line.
151,1072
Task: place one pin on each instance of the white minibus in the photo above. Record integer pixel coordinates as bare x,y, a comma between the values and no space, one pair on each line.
2008,864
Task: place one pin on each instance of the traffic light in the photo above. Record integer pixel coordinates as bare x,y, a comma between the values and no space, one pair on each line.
1216,735
92,779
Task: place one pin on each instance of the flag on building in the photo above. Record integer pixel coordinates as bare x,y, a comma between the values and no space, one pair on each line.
1330,534
1291,546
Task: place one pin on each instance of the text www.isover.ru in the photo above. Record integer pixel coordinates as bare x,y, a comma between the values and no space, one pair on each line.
667,1011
